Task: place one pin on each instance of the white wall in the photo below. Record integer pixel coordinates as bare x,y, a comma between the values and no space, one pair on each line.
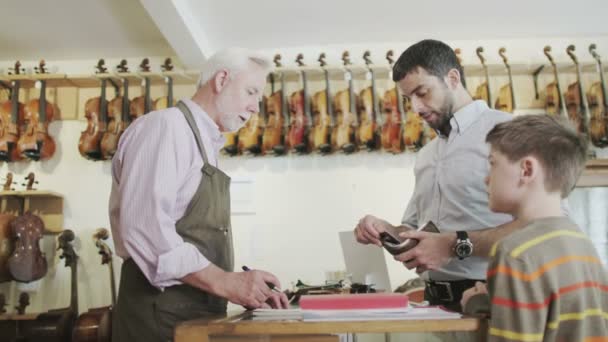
291,208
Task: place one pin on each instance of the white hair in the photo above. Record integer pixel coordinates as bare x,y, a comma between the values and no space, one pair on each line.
234,60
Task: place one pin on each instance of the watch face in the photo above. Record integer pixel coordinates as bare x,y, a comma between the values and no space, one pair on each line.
464,250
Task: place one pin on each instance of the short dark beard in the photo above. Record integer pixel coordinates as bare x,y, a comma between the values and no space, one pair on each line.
446,113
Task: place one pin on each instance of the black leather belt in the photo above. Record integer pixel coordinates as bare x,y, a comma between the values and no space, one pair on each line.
449,291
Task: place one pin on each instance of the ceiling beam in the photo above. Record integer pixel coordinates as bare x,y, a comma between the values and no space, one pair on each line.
175,21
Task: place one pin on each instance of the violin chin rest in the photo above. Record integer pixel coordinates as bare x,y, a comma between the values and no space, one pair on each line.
32,154
348,148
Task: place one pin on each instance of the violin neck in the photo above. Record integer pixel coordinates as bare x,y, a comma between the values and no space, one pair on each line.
562,100
487,76
351,95
305,99
147,98
284,106
15,103
511,86
602,83
169,92
583,105
42,102
103,103
375,108
330,110
112,282
125,115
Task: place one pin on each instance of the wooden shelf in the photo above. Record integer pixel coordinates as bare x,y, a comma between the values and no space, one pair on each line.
92,80
595,174
46,204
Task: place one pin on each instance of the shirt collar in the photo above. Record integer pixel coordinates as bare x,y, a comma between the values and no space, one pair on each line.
468,114
208,126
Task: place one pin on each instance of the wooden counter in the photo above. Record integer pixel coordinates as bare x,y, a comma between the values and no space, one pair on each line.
240,327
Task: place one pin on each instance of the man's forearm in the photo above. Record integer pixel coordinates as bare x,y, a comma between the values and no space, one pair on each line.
484,239
206,279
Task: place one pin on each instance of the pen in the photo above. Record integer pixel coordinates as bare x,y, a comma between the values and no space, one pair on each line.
270,285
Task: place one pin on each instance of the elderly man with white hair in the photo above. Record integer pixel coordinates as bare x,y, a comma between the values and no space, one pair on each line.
170,207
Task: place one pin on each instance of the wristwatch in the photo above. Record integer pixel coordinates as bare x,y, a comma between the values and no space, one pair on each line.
463,247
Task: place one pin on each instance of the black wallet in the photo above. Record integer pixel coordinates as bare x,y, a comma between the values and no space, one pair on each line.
395,244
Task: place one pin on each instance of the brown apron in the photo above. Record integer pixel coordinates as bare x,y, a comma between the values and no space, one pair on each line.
143,312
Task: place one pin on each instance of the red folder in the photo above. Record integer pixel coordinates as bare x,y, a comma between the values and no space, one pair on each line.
354,301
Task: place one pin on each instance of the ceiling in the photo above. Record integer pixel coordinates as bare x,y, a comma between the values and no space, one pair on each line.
193,29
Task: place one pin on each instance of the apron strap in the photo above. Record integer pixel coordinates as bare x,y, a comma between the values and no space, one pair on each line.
197,134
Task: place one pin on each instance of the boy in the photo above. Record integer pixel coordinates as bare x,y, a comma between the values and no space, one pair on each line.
545,280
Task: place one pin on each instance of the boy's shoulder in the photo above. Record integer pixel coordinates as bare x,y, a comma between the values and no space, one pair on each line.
540,237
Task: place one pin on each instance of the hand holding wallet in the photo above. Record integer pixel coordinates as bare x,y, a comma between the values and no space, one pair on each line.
395,244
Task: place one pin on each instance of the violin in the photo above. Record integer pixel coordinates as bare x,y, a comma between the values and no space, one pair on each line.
320,135
576,101
413,129
96,324
27,263
394,114
11,122
597,97
299,108
118,117
231,145
483,90
506,96
96,113
249,138
35,142
345,106
554,101
142,104
56,325
277,116
6,238
166,101
367,135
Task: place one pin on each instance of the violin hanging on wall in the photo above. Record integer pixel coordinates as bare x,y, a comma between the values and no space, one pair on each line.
6,237
597,97
11,122
367,135
554,101
322,114
118,117
27,263
166,101
483,90
576,101
299,109
506,95
250,136
96,113
96,324
142,104
57,325
277,113
345,106
35,143
394,114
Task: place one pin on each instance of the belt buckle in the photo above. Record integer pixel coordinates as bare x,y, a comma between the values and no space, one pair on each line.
448,287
